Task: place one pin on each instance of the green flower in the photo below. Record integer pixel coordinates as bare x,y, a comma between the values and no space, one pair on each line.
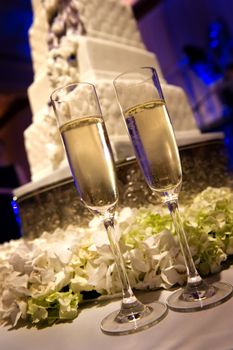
58,305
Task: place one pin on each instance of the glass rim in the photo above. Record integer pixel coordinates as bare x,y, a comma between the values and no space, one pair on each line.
52,99
137,69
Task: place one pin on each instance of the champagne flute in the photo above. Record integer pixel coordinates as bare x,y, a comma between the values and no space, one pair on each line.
88,150
143,107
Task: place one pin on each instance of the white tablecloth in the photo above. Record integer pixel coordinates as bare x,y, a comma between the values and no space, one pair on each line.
208,329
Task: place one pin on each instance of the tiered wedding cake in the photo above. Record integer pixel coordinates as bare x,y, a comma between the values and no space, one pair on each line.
83,40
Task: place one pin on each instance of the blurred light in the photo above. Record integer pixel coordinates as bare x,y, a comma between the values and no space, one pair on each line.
16,212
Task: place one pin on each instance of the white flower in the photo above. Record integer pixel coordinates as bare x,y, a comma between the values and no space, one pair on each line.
80,284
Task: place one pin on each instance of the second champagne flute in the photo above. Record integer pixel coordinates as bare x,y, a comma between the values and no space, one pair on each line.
146,117
88,150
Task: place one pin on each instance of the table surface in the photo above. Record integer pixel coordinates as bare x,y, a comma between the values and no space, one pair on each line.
206,329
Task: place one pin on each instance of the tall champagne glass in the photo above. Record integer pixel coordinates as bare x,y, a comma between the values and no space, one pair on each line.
88,150
143,107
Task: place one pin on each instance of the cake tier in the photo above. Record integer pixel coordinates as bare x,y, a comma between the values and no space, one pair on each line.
104,59
97,59
110,20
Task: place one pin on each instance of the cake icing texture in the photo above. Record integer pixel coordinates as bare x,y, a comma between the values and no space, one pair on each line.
83,40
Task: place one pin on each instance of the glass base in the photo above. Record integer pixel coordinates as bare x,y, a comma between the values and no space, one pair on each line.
117,323
200,297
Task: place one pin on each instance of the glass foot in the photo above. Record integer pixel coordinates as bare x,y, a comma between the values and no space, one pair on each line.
118,323
203,296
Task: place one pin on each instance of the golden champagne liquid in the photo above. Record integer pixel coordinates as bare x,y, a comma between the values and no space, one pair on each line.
90,158
155,146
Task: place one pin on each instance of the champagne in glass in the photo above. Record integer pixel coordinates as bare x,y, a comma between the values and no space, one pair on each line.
88,150
84,139
146,117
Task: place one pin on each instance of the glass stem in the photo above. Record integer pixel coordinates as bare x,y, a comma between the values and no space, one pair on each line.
193,278
128,295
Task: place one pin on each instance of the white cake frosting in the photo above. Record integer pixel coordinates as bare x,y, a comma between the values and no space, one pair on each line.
38,34
82,40
110,20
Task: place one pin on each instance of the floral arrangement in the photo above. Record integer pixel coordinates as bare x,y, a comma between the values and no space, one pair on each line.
46,279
